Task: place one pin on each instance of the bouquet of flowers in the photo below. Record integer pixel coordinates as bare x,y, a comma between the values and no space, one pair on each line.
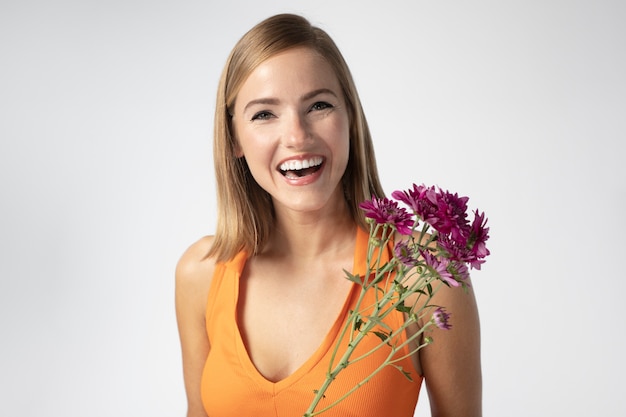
438,244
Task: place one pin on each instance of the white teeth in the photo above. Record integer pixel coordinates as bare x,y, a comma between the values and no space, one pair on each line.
296,165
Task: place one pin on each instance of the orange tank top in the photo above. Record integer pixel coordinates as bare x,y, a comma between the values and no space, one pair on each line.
232,387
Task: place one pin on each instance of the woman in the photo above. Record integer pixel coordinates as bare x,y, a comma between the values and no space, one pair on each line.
260,303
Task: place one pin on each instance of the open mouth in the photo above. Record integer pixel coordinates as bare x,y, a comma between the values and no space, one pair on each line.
301,168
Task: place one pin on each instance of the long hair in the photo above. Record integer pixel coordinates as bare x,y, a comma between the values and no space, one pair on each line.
245,210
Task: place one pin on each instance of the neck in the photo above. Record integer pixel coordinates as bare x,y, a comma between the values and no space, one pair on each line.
309,236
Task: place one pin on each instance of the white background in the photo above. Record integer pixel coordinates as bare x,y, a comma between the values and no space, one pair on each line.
105,178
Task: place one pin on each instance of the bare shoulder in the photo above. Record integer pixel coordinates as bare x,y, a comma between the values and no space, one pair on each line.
194,262
194,271
451,363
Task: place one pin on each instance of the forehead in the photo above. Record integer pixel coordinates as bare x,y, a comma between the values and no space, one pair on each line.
290,73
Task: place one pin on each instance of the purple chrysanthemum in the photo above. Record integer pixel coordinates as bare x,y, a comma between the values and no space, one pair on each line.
445,211
411,198
478,238
442,319
470,245
460,271
385,211
404,254
447,214
440,266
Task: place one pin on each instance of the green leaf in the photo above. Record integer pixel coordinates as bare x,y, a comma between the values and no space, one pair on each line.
401,307
357,324
384,337
354,278
400,287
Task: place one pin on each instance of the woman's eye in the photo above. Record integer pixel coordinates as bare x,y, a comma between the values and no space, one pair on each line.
262,115
321,105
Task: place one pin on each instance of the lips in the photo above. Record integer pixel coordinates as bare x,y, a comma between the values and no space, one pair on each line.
298,168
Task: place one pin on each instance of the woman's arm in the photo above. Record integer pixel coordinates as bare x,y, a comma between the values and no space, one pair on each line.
193,278
451,364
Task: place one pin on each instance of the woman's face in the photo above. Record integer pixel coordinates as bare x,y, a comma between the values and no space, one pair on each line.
291,124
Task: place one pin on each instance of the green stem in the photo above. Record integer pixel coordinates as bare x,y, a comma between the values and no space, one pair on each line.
381,308
393,335
358,385
330,377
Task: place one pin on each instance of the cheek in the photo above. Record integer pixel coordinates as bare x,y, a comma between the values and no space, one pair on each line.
249,145
343,142
256,150
245,142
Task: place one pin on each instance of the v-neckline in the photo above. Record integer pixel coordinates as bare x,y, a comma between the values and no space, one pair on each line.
360,250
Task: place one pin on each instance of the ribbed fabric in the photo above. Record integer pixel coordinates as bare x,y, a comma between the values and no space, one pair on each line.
232,386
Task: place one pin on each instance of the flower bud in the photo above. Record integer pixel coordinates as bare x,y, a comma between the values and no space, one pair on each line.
441,318
375,242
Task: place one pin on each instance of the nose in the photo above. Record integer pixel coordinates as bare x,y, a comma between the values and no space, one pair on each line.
296,131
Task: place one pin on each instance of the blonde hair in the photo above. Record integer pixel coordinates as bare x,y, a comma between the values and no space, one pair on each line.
245,210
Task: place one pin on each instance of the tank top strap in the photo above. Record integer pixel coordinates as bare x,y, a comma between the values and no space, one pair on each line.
224,271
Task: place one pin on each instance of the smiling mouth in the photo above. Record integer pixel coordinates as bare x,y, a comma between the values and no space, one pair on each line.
301,168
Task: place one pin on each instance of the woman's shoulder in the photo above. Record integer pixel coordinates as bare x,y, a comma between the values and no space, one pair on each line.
195,267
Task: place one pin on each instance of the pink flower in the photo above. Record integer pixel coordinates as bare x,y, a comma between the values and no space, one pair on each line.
445,211
447,214
441,319
404,254
469,246
412,197
459,271
440,266
385,211
477,238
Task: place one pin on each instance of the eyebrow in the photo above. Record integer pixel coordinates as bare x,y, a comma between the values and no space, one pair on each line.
274,101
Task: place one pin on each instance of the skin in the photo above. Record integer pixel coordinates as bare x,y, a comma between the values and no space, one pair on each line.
451,364
291,109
